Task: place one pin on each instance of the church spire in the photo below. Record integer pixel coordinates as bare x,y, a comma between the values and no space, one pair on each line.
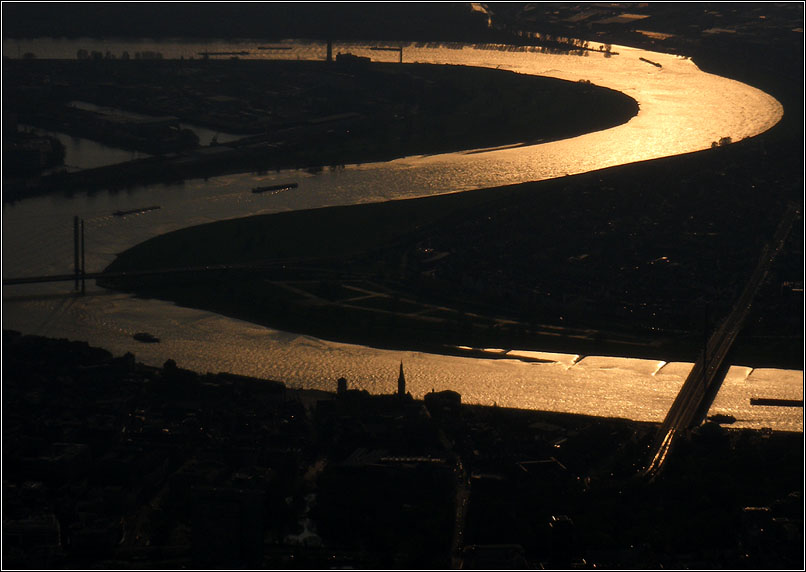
401,382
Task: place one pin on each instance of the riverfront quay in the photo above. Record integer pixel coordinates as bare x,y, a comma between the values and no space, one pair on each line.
109,463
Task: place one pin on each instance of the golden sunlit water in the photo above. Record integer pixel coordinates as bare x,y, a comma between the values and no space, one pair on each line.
682,109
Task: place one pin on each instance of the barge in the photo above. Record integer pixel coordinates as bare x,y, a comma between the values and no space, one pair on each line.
656,64
275,188
776,402
136,211
146,338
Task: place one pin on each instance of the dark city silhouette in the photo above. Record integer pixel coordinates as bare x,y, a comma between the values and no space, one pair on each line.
303,285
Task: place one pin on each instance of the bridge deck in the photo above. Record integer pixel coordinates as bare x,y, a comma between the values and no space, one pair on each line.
703,382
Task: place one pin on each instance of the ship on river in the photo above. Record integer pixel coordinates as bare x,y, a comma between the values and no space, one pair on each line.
135,211
275,188
146,338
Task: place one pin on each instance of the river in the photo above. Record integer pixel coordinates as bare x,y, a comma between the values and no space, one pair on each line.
682,109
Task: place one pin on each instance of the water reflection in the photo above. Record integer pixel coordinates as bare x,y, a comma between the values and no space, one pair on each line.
682,110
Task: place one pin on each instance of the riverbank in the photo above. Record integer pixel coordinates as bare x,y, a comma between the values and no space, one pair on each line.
109,463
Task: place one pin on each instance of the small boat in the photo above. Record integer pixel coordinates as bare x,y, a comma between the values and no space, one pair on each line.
146,338
722,419
274,47
275,188
135,211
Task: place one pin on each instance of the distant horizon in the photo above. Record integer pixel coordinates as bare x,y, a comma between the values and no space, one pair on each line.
370,20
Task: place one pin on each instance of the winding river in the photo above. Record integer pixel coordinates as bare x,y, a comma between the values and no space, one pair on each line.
682,109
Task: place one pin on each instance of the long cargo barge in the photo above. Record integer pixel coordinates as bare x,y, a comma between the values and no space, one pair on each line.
135,211
238,53
275,188
776,402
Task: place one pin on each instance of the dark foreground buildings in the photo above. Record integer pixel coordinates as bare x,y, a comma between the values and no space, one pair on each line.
109,463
